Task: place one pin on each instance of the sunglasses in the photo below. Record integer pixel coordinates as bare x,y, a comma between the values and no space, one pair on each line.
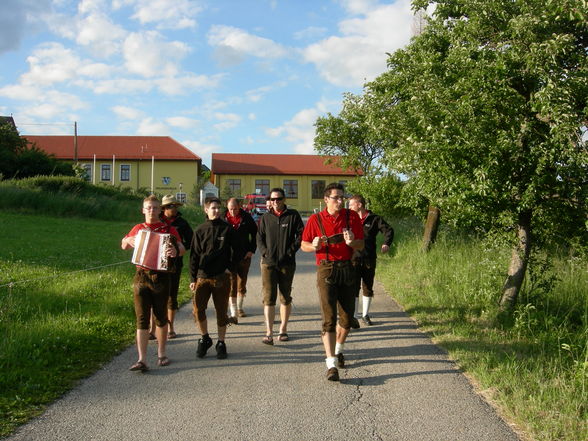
277,199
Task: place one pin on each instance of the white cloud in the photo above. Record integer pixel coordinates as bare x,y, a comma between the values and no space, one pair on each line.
149,55
255,95
300,131
310,33
100,34
252,117
20,92
52,105
177,14
118,86
203,150
125,112
17,18
187,83
232,45
360,54
228,120
152,127
182,122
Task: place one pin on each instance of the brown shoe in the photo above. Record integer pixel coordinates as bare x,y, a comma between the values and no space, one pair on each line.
241,313
233,320
333,374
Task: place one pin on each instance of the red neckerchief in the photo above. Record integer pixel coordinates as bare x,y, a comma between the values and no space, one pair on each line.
279,213
235,221
367,213
159,227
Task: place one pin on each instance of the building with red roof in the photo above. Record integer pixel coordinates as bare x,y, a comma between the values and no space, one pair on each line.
159,163
303,177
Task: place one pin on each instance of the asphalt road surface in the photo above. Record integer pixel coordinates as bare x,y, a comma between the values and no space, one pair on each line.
397,385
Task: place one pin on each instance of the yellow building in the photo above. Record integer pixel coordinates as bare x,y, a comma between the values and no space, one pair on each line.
303,177
156,163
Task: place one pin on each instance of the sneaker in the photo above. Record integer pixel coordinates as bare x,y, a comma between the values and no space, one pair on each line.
333,374
366,319
221,350
241,313
340,360
233,320
354,323
204,343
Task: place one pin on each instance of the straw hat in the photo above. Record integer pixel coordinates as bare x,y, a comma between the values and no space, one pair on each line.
170,199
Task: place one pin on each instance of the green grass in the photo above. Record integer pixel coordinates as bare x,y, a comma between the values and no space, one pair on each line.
535,367
67,312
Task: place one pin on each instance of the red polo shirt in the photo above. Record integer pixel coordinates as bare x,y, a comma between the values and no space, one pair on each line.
333,225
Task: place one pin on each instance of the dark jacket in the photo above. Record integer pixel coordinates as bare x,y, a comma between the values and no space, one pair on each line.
279,237
371,226
245,234
211,252
185,232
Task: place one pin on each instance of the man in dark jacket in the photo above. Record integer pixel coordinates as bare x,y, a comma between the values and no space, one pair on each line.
245,231
173,217
278,239
211,263
365,260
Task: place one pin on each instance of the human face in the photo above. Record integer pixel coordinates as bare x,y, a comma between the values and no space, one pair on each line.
213,211
277,201
151,211
334,201
233,208
354,205
170,210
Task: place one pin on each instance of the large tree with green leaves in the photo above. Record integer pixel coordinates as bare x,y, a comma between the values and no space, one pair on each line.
488,109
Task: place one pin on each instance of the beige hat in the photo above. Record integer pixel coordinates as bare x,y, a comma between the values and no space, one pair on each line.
170,199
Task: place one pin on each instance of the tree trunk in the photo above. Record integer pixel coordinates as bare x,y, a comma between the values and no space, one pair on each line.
518,263
431,227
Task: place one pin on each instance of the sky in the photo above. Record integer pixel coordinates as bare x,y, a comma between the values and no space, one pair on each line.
218,76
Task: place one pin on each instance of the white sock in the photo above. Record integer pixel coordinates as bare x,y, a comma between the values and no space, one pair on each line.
357,307
331,362
339,348
240,299
367,301
233,307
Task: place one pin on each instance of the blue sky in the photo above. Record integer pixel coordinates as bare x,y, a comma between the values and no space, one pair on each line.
239,76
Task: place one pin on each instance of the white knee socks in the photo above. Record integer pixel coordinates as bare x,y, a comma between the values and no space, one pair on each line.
367,301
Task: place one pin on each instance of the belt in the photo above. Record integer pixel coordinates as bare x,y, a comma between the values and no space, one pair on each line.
337,263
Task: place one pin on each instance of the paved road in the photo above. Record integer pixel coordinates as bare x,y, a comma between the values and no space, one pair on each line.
398,386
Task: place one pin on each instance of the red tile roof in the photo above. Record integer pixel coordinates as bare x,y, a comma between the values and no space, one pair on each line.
123,147
258,164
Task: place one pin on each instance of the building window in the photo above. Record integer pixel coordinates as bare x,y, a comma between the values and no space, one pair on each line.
181,197
87,172
291,188
262,186
234,186
105,172
125,172
317,189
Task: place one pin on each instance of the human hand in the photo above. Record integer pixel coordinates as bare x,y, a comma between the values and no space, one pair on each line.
385,248
348,236
316,242
193,286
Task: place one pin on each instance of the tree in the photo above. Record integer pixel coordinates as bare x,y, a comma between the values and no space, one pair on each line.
18,159
488,108
356,137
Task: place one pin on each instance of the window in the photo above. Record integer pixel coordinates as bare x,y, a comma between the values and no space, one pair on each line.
105,172
125,172
181,197
234,186
263,186
87,172
291,188
318,189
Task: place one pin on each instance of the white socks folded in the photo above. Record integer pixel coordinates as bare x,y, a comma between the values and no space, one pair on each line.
240,299
367,301
331,362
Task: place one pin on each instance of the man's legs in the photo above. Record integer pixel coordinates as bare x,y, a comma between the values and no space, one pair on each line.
285,311
285,277
367,282
269,281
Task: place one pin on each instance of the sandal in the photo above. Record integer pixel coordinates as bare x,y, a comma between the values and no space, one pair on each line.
268,340
139,366
171,334
163,361
283,337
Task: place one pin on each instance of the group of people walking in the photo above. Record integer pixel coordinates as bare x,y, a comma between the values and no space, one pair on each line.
221,248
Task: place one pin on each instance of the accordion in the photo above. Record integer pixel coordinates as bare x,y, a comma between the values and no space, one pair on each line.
150,250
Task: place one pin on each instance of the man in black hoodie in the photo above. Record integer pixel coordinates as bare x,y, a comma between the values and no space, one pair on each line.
365,260
278,239
211,262
245,231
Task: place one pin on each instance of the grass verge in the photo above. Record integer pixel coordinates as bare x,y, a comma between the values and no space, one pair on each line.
69,311
536,366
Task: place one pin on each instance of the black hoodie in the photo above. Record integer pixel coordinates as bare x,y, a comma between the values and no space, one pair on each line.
279,237
212,250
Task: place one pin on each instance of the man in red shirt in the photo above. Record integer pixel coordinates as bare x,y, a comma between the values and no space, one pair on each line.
333,234
151,288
